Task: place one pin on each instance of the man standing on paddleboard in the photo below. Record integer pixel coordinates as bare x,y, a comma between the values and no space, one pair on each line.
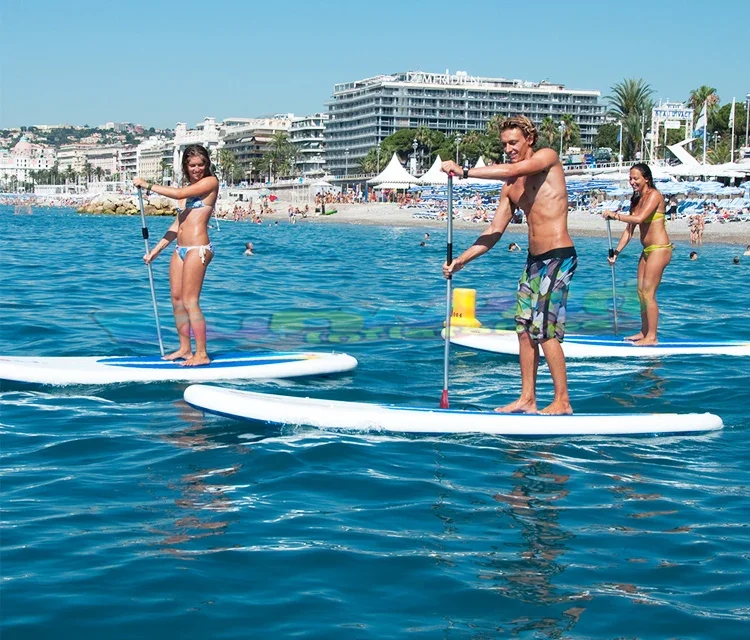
535,183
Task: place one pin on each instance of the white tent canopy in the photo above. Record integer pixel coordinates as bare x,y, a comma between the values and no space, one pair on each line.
394,174
435,175
480,163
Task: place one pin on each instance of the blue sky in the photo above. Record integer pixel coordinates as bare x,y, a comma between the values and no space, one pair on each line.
159,62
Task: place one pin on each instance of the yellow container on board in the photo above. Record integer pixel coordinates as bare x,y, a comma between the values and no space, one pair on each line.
464,308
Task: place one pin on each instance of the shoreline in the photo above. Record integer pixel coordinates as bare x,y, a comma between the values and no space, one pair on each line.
580,223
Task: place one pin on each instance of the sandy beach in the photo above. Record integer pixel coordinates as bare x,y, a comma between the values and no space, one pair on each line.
580,223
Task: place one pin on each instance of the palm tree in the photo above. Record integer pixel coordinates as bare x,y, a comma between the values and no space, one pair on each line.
99,172
572,132
164,166
227,163
631,103
548,132
495,151
720,154
369,163
282,152
702,95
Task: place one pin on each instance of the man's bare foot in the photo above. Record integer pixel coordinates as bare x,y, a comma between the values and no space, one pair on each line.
518,407
646,342
557,409
177,355
199,359
634,337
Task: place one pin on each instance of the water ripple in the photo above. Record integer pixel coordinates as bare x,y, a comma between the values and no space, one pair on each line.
126,513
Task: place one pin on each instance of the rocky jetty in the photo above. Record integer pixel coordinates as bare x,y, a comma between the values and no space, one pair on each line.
127,205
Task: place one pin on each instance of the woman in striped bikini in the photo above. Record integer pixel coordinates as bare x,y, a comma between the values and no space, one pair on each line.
193,252
647,210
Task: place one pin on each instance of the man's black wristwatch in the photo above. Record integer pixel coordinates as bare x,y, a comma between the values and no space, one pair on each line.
466,173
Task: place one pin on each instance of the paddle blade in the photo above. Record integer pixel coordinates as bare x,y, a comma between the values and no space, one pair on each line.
444,399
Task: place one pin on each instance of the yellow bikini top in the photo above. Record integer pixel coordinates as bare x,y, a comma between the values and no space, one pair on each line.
656,215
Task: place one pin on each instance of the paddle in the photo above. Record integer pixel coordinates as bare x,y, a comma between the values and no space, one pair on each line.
144,231
448,260
614,286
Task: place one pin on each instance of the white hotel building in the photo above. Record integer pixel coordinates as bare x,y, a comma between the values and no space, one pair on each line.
364,112
307,134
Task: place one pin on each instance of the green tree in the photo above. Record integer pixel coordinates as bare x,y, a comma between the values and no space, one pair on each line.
631,103
702,95
720,153
571,133
282,152
720,123
227,164
164,165
495,144
548,133
88,169
607,136
369,164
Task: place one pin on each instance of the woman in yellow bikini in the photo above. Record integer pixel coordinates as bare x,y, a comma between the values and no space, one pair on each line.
647,210
193,252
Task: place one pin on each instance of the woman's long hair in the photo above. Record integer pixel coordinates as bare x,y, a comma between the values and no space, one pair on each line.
191,151
645,171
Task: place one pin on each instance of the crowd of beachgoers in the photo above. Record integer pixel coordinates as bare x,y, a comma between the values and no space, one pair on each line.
690,217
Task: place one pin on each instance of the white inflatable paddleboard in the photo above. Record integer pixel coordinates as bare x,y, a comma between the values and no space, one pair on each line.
578,346
359,416
112,370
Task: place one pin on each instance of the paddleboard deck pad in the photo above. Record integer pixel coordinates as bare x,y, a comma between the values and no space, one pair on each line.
358,416
115,369
578,346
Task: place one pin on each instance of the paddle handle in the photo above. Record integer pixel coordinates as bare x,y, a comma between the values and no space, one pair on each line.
614,284
144,232
449,287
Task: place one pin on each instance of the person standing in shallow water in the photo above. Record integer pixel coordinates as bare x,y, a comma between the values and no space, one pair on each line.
647,210
193,253
534,182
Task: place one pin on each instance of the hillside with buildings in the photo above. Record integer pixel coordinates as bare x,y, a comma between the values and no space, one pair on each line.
342,141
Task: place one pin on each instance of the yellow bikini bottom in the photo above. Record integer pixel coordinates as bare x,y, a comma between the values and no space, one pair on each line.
654,247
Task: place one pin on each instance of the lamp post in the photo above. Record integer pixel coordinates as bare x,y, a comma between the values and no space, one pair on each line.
377,168
619,155
414,146
346,163
716,139
270,170
458,145
561,129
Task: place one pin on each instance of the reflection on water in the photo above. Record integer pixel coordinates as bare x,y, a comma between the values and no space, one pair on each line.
532,506
202,494
644,384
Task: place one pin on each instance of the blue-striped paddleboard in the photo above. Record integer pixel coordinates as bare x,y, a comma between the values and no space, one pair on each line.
578,346
116,369
359,416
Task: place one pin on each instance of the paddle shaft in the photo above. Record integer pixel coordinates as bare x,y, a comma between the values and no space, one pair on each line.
614,285
144,231
449,291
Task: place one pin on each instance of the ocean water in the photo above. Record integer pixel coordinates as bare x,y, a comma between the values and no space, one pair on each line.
127,514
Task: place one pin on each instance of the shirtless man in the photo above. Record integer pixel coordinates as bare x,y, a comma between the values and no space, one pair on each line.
534,182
